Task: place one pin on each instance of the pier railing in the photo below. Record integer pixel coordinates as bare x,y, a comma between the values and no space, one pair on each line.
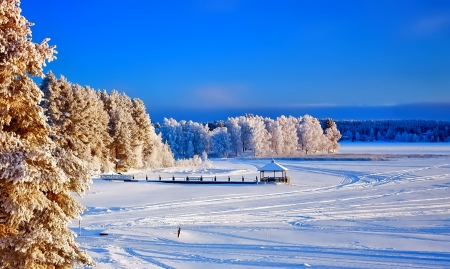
205,179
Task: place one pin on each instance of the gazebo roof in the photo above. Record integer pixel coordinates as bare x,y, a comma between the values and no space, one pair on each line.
273,166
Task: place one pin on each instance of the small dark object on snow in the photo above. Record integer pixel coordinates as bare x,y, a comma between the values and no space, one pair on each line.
103,234
179,231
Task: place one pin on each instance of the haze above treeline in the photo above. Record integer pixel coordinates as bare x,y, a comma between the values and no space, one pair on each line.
423,111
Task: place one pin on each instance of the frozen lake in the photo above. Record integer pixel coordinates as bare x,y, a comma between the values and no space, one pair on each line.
335,214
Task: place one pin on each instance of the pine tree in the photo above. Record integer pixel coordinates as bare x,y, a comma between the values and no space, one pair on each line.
36,176
121,128
143,132
96,129
77,119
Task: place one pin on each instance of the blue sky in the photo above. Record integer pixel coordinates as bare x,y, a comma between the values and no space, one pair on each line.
205,60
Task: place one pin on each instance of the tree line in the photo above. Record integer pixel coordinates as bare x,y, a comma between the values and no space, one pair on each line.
395,130
284,136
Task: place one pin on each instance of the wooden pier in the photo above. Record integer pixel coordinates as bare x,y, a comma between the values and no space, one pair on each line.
204,180
118,177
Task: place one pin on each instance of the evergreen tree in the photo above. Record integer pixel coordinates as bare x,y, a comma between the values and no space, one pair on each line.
77,119
36,176
121,128
143,127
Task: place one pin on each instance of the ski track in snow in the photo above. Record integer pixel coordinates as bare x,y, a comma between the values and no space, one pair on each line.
409,208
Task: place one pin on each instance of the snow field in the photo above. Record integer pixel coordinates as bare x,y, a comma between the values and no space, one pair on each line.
335,214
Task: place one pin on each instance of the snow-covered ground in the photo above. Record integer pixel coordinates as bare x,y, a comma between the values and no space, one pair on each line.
335,214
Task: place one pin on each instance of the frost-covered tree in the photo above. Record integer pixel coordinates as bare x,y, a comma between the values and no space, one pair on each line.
121,128
142,132
246,124
221,141
172,134
201,137
276,136
289,132
309,134
77,119
186,139
234,130
37,177
333,135
260,137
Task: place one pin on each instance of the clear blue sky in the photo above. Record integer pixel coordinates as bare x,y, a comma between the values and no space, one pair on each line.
198,59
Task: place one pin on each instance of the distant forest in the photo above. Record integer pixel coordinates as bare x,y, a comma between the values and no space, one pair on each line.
395,130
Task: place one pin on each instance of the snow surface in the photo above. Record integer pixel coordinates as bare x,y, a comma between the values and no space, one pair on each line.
335,214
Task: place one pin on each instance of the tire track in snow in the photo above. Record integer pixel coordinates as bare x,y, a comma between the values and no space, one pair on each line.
282,256
201,203
147,258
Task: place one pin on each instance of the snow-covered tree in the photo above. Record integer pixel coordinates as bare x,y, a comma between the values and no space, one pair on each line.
77,119
276,136
234,130
37,177
260,137
333,135
121,128
309,134
246,124
143,132
221,141
172,134
186,139
289,133
201,137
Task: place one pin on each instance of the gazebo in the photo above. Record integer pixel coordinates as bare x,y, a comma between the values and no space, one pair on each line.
274,167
